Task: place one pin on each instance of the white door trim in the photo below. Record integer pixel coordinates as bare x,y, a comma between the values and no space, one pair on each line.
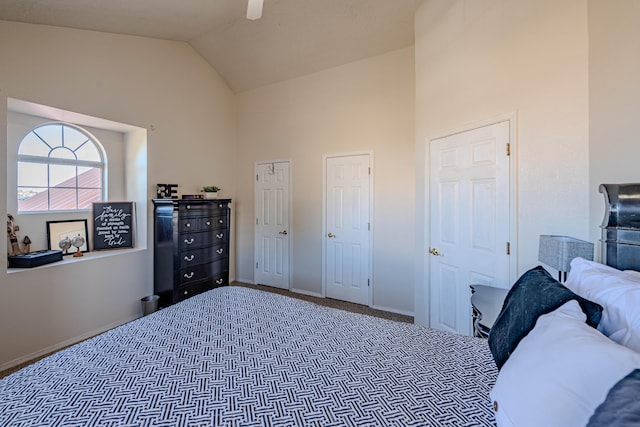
289,209
513,197
324,219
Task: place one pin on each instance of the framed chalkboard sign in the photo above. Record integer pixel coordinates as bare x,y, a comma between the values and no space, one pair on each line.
113,225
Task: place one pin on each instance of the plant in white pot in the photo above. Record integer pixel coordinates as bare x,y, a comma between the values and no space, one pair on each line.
210,191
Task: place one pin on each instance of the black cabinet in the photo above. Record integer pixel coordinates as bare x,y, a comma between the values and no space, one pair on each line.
191,247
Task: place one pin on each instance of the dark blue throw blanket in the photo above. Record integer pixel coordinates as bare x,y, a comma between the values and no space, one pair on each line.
534,294
621,408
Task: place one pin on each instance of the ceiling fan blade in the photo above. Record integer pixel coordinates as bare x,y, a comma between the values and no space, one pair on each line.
254,9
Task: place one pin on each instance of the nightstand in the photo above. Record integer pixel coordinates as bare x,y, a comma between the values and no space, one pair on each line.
486,302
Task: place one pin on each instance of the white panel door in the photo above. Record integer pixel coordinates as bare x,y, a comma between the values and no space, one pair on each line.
272,224
469,221
347,216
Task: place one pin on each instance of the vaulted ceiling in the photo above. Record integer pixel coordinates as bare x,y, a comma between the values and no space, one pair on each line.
293,38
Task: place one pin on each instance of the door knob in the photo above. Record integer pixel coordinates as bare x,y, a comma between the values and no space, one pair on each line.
434,251
331,235
283,232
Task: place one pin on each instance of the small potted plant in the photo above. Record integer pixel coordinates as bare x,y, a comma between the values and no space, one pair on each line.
210,191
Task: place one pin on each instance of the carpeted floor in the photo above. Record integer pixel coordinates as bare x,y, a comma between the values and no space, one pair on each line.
342,305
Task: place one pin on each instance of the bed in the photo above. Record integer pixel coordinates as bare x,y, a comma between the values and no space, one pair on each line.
236,356
569,354
557,355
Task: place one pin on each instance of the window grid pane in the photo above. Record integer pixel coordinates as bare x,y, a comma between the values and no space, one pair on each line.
33,199
34,146
88,152
62,153
63,199
32,175
63,176
86,196
73,138
51,134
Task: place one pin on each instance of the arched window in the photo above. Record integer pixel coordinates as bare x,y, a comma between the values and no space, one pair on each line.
60,168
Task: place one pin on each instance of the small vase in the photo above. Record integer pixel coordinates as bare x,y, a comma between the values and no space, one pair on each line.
210,195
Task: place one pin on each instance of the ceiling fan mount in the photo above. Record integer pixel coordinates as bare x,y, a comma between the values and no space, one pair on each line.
254,9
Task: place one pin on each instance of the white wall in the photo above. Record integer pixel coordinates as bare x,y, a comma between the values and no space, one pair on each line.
614,99
479,59
361,106
161,86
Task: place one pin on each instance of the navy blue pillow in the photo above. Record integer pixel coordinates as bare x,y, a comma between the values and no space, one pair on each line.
621,408
534,294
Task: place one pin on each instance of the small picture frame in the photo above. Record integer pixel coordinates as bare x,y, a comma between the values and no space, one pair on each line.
59,230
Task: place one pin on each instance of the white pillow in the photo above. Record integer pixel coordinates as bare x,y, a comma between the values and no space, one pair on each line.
559,373
618,292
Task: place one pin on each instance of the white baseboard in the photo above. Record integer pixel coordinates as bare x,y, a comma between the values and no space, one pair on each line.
303,292
247,281
63,344
393,310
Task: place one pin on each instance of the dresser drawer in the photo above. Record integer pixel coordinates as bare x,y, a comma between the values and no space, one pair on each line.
193,209
195,240
199,209
216,222
219,280
189,224
220,266
187,291
191,257
220,236
195,273
220,206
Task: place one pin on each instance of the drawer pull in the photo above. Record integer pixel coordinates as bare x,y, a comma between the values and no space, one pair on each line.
189,258
220,205
219,251
188,206
219,281
220,236
186,292
208,223
188,276
220,221
188,225
188,241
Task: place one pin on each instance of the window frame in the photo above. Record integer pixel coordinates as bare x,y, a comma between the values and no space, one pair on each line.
78,163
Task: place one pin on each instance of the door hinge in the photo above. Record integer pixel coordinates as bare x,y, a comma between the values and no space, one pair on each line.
369,226
368,282
257,177
508,248
256,265
369,170
508,149
256,221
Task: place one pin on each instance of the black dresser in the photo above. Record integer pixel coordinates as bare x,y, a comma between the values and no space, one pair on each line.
191,247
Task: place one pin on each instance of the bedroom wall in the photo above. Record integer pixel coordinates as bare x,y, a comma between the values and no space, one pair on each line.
614,99
161,86
361,106
479,59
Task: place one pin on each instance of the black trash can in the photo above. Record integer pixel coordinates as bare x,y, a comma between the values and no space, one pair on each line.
149,304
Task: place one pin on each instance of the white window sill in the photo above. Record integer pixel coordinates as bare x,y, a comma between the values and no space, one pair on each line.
70,259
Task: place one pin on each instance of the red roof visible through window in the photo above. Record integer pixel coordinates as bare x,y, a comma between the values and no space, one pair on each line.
66,200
